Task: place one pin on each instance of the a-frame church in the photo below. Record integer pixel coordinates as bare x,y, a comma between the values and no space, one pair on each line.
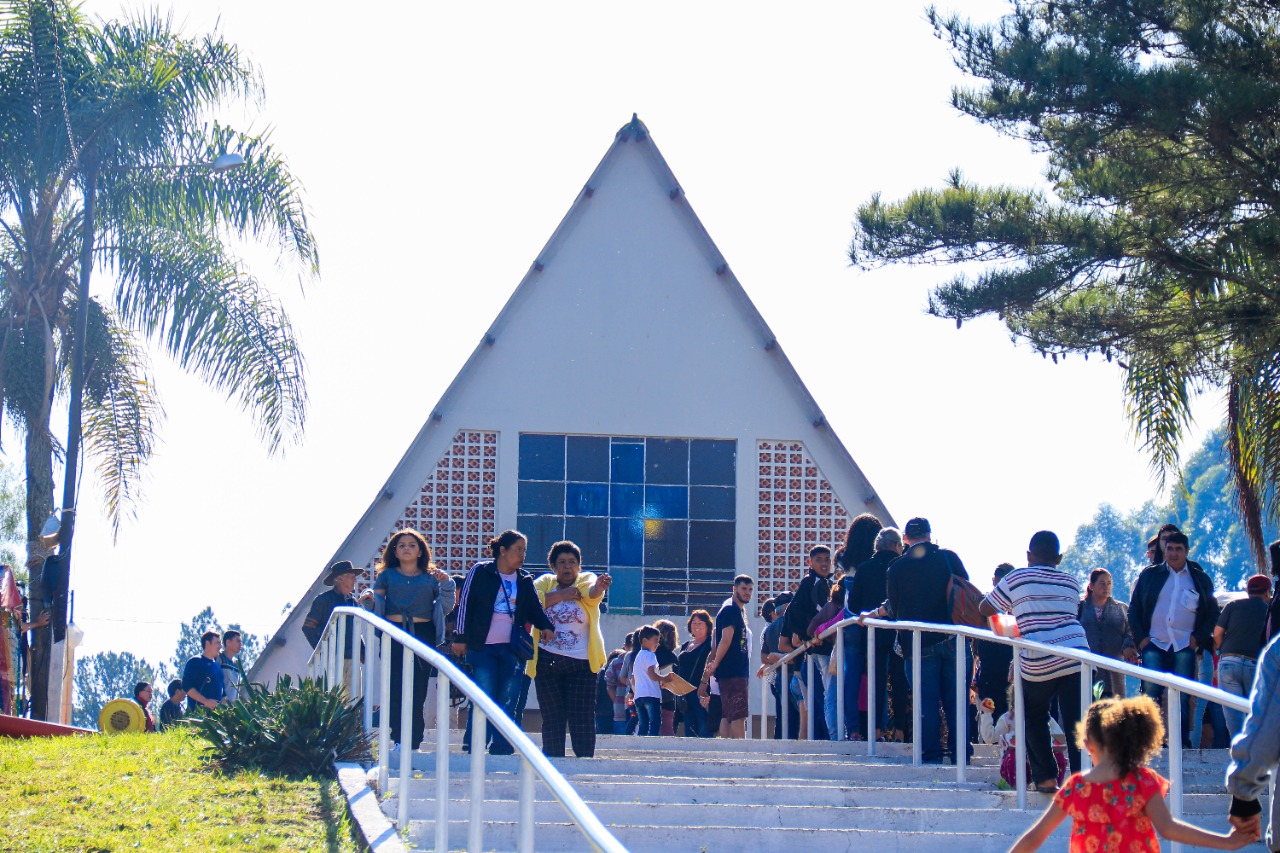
631,398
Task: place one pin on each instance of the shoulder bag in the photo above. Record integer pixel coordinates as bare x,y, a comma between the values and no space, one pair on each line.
521,640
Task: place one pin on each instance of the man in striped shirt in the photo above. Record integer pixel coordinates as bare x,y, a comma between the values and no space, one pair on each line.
1044,600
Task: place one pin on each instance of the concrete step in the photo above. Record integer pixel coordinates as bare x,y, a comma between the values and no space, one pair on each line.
565,838
810,770
733,792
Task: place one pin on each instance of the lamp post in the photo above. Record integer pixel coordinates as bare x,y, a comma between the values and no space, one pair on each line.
66,531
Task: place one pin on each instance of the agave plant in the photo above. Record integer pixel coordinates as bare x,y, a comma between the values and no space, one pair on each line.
295,730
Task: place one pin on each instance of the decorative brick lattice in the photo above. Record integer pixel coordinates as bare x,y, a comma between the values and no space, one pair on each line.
456,509
797,510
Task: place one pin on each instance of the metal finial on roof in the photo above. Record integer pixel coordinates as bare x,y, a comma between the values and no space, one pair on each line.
634,128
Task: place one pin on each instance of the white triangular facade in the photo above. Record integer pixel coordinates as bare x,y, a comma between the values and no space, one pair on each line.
629,343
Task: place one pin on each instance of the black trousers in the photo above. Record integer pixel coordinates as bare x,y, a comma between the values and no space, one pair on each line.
1038,696
426,632
566,695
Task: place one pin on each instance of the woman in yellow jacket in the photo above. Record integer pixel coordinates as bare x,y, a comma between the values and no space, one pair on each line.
564,667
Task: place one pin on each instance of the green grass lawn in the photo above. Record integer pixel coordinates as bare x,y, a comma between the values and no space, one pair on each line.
156,792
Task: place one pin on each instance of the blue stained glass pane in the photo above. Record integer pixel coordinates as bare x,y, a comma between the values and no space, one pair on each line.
626,588
666,460
592,536
587,499
628,463
626,501
666,502
541,457
588,458
541,498
712,502
711,544
666,543
543,532
712,463
626,542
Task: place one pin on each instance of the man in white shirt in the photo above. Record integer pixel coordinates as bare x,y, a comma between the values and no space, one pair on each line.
1173,613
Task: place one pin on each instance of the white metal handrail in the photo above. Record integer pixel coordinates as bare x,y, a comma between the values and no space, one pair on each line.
1173,684
327,661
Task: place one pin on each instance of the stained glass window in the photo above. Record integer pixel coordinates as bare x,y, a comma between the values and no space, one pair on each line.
659,514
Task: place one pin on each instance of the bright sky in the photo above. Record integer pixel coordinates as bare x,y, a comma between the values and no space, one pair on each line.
440,146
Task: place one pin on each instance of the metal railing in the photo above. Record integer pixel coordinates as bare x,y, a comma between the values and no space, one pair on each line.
327,662
1174,686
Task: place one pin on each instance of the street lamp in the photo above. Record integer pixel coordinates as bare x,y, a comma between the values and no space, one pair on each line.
222,163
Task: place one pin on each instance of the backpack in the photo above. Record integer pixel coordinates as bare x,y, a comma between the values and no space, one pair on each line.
963,599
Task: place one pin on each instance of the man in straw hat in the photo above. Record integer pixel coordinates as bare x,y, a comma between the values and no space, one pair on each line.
342,577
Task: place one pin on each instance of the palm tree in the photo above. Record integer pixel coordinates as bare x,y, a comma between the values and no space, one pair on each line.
101,121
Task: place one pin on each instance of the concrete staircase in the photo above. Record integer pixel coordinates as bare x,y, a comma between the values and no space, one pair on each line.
715,796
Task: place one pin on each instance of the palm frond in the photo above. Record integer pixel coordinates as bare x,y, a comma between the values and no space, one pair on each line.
261,199
190,296
1253,444
1159,410
121,412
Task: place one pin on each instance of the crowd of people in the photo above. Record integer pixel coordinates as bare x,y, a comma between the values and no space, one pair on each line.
511,630
209,679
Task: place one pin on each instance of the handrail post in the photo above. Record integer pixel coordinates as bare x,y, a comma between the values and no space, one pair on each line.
339,651
841,730
873,704
1086,699
443,726
1175,757
355,687
786,700
384,715
962,708
764,704
330,670
475,830
525,828
368,675
1019,732
917,746
809,727
407,660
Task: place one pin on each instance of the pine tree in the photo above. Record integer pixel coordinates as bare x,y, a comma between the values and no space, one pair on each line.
1157,240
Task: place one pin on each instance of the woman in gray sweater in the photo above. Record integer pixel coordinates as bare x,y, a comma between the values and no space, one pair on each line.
1106,627
411,591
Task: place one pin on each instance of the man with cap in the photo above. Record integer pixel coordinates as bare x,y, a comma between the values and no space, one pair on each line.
1238,638
916,589
342,577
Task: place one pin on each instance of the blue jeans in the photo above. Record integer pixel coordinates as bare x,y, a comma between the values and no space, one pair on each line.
855,666
649,710
937,684
1181,662
1235,675
620,726
1209,713
495,670
824,698
798,689
695,717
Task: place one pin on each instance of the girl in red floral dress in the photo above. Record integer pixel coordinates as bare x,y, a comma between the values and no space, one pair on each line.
1118,805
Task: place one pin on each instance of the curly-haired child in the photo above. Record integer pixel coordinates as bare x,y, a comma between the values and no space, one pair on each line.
1118,805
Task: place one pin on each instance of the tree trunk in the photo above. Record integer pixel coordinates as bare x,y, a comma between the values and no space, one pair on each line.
39,507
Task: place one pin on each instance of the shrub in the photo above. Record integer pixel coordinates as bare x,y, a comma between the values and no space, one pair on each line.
296,730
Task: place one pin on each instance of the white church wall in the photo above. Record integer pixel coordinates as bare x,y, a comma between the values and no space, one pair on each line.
629,325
